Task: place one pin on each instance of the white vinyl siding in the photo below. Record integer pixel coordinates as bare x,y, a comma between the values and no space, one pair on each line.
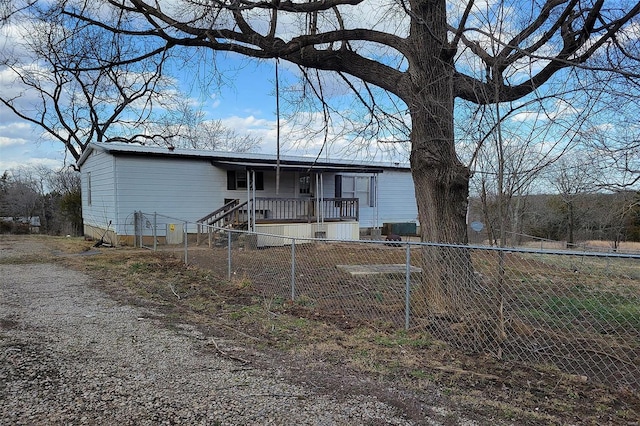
181,188
97,185
396,197
385,197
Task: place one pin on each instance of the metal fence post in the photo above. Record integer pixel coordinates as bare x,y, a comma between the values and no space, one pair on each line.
141,228
407,288
228,255
155,231
293,269
135,228
186,247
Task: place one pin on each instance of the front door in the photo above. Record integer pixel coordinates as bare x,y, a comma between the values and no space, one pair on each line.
304,191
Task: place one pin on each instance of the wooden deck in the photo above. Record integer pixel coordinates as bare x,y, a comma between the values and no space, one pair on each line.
284,210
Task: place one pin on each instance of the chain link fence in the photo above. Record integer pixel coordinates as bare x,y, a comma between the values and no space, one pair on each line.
575,311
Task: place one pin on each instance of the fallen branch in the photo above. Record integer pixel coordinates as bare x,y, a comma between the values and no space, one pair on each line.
227,355
173,290
455,370
240,332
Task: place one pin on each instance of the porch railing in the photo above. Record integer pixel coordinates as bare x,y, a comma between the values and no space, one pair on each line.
269,210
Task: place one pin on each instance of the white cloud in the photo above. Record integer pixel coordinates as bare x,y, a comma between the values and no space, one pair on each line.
29,153
13,134
246,123
526,116
6,142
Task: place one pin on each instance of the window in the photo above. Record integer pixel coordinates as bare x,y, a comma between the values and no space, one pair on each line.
241,181
304,184
361,187
237,179
356,187
89,188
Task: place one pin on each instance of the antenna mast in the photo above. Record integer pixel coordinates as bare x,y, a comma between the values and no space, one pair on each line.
277,130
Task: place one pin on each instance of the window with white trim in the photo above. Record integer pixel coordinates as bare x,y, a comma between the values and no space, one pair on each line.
360,187
88,188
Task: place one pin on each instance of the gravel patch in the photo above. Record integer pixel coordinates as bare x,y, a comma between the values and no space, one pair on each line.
71,355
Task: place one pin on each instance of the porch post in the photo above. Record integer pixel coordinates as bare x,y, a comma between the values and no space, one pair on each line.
253,199
375,202
321,201
249,227
318,212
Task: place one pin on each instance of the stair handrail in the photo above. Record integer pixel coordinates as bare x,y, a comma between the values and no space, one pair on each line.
225,215
224,208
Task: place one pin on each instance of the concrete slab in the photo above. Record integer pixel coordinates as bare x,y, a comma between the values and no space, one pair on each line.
392,268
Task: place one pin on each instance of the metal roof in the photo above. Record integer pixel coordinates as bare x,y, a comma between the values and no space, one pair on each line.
299,167
242,160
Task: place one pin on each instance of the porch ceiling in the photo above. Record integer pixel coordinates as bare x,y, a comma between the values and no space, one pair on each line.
317,168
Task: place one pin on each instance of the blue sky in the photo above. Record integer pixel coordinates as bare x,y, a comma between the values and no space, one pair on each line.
246,105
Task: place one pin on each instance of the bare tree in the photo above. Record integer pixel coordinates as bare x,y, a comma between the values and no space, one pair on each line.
23,193
618,151
8,8
213,135
65,194
189,128
18,197
38,191
68,81
508,160
65,82
612,139
424,54
573,178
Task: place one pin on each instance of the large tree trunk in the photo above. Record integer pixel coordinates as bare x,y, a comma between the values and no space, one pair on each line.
441,180
442,188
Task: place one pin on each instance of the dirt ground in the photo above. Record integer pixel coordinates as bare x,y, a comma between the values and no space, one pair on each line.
581,316
422,375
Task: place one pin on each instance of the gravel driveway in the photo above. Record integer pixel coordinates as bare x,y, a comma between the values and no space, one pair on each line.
71,355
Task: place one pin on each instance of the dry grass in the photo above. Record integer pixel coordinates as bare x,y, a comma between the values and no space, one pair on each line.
626,246
592,245
479,385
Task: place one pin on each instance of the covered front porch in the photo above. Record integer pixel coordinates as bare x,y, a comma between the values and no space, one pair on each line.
268,210
334,218
288,198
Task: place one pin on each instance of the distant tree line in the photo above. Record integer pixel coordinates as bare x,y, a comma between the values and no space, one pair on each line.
572,216
53,197
613,216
